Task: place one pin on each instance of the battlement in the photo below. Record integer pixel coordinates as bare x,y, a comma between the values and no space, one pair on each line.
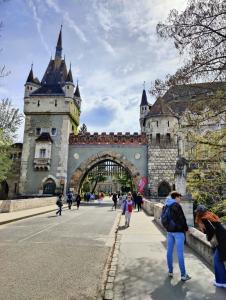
108,138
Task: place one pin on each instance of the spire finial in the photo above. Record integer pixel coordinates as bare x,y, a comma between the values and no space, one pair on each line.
144,85
58,54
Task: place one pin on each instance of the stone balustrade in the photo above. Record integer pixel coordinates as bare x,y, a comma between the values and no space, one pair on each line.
195,239
23,204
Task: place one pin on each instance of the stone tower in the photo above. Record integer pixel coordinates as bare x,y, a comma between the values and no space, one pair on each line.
52,111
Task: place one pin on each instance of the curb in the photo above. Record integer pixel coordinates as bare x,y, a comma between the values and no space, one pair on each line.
25,217
112,264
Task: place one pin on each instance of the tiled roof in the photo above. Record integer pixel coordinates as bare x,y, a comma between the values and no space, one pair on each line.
160,108
44,137
180,96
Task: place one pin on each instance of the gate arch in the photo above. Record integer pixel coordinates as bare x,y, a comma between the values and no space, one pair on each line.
80,173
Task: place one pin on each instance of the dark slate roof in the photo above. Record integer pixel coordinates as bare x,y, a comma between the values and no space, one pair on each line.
69,76
44,137
144,100
77,92
180,97
160,108
53,79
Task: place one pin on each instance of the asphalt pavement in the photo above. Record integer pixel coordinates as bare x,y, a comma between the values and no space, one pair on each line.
56,257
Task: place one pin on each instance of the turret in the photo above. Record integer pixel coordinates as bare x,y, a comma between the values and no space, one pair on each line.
31,84
144,109
69,85
77,97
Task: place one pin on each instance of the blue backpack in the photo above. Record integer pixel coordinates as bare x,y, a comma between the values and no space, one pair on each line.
167,220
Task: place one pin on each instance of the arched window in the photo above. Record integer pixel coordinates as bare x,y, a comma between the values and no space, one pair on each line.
164,189
49,187
4,190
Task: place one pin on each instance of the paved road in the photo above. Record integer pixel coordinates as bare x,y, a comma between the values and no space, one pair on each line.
49,257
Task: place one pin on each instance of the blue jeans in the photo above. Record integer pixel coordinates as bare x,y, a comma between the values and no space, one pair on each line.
219,268
178,238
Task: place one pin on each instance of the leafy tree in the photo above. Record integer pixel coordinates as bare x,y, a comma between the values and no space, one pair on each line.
199,33
83,129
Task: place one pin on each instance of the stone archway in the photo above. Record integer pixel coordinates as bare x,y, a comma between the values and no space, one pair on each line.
81,171
164,189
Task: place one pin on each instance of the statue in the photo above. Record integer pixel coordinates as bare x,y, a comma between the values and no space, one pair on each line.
181,174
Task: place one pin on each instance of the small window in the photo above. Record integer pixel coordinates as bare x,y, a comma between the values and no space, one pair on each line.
55,102
15,188
27,87
158,138
168,123
42,153
157,123
31,88
53,131
68,87
38,102
38,131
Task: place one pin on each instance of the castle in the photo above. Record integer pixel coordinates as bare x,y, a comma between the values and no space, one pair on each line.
54,157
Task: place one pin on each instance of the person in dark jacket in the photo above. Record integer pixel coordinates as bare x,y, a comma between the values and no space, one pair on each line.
210,224
78,200
59,203
69,199
114,199
176,235
139,201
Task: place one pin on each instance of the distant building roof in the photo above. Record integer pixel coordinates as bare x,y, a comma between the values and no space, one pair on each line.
160,108
180,96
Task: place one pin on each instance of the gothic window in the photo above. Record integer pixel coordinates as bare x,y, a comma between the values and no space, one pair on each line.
157,123
38,131
55,102
168,123
53,131
158,138
38,102
49,187
42,153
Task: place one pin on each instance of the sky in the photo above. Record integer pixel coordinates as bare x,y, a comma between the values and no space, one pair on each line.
112,46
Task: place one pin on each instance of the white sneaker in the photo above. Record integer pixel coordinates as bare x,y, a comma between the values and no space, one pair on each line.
223,285
185,278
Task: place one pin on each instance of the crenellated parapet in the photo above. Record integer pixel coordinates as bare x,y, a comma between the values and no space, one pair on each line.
108,138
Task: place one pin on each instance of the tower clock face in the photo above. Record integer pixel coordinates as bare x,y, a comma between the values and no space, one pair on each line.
137,155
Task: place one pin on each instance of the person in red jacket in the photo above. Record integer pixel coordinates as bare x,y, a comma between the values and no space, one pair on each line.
127,209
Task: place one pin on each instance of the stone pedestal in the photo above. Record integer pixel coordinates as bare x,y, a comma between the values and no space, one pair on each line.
187,205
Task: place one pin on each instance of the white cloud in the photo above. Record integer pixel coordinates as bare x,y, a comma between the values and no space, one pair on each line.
68,20
38,21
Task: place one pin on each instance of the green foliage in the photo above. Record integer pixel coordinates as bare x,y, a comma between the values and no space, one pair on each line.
5,161
125,181
220,210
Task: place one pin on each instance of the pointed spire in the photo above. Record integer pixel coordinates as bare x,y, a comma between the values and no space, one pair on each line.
144,100
59,48
69,76
77,92
30,77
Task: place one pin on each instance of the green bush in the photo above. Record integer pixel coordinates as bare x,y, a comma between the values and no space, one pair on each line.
220,209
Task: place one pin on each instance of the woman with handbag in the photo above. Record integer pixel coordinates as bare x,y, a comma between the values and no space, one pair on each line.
210,224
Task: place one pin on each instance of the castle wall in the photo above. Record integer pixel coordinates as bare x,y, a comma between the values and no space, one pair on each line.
161,165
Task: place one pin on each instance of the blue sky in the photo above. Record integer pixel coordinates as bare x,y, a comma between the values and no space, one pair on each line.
111,44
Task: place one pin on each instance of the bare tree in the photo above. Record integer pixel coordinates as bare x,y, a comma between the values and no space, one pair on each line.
199,33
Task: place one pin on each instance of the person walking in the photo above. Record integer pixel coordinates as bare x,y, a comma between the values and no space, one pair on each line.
114,199
139,201
69,199
127,209
210,224
174,221
78,200
134,199
59,203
